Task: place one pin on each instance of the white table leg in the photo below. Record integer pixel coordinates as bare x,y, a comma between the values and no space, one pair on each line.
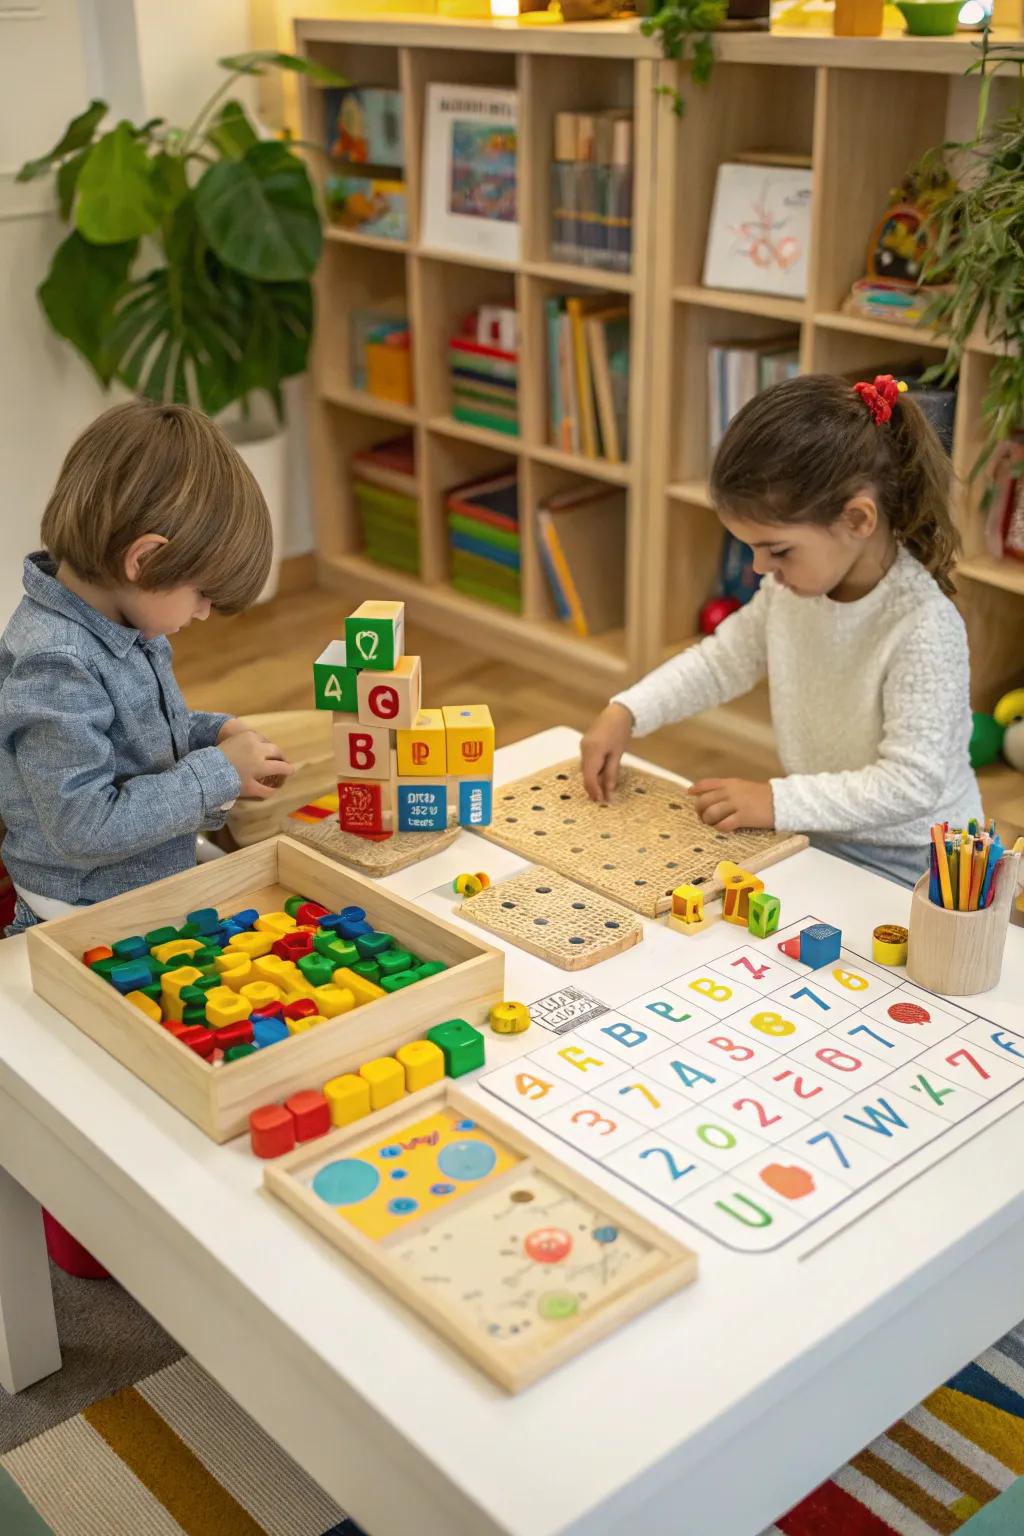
29,1349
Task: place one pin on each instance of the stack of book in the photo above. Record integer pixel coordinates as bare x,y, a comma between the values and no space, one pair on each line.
581,534
483,538
588,376
386,498
592,189
737,371
484,363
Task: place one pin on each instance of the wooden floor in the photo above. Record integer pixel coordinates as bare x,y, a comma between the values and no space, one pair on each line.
263,659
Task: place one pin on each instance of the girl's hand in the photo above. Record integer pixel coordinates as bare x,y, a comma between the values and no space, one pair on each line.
731,803
601,749
256,760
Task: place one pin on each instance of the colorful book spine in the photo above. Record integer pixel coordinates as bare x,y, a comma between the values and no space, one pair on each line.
592,189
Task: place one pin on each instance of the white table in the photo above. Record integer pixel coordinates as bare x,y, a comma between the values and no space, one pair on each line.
710,1414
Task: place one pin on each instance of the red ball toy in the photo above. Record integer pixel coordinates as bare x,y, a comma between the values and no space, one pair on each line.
715,610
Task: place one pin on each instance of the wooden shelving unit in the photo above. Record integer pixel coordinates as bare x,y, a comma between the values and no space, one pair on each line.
863,109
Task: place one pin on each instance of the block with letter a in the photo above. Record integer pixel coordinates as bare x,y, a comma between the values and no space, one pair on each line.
391,698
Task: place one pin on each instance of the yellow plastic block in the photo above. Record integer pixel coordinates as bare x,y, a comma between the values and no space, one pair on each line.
688,903
235,970
171,984
301,994
145,1005
226,1007
510,1018
163,953
738,885
299,1026
280,973
386,1079
423,1064
252,944
259,993
349,1098
332,1000
422,751
469,737
362,990
274,923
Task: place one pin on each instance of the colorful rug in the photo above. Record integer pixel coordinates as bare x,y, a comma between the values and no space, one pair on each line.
173,1455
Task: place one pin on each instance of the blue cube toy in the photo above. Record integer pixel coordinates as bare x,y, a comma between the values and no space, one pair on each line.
268,1032
819,945
474,802
422,807
132,948
132,976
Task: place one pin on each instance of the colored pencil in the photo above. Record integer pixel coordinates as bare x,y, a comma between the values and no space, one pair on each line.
994,856
966,850
942,864
978,863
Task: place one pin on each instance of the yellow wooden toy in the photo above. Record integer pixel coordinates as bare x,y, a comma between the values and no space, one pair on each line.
687,914
510,1018
422,750
275,923
470,737
226,1007
423,1064
280,973
164,953
363,990
171,984
147,1006
386,1079
259,994
299,1026
235,968
738,885
252,944
349,1098
889,944
332,1000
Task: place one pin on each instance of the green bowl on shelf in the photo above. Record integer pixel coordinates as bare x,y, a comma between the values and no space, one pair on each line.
930,18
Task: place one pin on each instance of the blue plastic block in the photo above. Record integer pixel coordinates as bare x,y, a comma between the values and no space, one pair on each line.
244,919
422,807
819,945
268,1032
132,948
132,976
205,919
474,802
353,914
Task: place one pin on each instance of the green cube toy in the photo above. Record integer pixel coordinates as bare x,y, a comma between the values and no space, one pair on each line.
391,961
317,969
763,914
399,980
462,1045
334,681
371,944
368,969
375,636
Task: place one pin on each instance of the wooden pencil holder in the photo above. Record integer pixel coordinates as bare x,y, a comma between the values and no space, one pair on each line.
959,953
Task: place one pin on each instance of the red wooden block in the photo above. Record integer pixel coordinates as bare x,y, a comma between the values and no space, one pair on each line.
360,807
271,1011
98,952
791,947
292,946
310,913
311,1113
176,1028
304,1008
235,1034
271,1131
198,1039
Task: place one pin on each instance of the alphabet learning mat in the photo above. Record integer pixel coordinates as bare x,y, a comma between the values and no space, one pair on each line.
752,1096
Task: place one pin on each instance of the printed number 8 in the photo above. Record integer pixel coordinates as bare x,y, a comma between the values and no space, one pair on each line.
773,1024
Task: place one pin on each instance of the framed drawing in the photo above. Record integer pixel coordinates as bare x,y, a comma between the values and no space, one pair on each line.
470,171
760,230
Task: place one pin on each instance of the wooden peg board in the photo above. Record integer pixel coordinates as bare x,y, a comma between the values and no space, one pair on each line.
375,859
635,850
554,918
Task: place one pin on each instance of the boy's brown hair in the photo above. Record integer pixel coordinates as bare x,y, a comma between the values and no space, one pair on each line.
143,467
799,451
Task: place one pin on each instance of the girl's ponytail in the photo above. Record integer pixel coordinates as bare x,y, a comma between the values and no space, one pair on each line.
919,514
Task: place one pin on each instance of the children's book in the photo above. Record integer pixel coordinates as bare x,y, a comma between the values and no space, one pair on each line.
582,533
470,171
364,125
608,352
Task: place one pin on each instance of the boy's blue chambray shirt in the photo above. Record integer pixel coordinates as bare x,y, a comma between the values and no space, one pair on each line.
105,776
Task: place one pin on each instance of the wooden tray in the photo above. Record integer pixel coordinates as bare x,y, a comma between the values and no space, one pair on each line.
375,859
518,1260
554,918
219,1099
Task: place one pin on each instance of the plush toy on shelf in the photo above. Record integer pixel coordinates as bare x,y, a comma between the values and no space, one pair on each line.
1000,732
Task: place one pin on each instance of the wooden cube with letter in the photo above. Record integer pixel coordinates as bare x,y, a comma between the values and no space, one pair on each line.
392,698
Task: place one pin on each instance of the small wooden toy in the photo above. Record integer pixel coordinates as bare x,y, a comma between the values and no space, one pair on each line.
763,914
391,698
366,805
422,806
311,1113
687,914
386,1080
475,802
422,749
361,751
470,739
790,947
470,885
334,681
348,1097
422,1062
271,1130
819,945
463,1046
738,885
510,1018
889,944
375,636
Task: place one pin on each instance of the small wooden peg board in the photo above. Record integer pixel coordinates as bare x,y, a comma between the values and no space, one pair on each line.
376,859
635,850
554,918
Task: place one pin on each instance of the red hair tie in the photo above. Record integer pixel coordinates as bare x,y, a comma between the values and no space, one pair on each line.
881,396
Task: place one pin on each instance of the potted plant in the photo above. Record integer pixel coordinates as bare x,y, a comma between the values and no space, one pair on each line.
186,272
677,24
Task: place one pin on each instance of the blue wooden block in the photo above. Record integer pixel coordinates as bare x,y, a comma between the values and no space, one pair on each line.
132,948
422,807
268,1032
132,976
819,945
474,802
244,919
205,919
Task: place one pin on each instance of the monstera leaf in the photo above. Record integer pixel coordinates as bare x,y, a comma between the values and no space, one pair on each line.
116,198
259,214
80,292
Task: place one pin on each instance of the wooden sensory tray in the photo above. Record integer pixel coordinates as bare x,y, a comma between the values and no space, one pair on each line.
376,859
635,850
515,1258
553,917
219,1099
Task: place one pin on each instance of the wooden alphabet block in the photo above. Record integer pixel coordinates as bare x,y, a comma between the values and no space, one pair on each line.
470,733
475,796
375,636
763,914
361,751
422,750
391,698
819,945
334,681
422,807
738,885
688,906
366,805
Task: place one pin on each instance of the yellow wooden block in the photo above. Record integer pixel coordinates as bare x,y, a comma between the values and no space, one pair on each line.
332,1000
422,1062
469,736
235,970
349,1098
259,994
299,1026
738,885
226,1007
422,751
274,923
688,903
171,984
301,994
362,990
164,953
145,1005
280,973
386,1079
252,944
510,1018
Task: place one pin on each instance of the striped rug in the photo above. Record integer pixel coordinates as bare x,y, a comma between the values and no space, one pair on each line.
173,1455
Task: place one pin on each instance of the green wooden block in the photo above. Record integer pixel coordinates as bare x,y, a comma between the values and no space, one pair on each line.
340,951
176,962
104,967
375,641
154,991
369,969
293,904
429,968
462,1045
371,944
191,931
763,914
317,969
399,980
161,936
206,956
391,961
236,1052
334,682
194,1014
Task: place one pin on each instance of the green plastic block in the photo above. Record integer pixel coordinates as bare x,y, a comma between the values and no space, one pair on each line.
206,956
177,961
763,914
399,980
134,947
191,931
391,961
153,991
371,944
339,951
462,1045
161,936
236,1052
334,682
372,642
317,969
293,904
195,1014
104,967
429,968
368,969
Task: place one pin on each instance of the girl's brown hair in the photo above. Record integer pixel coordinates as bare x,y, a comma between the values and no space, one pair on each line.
799,451
143,468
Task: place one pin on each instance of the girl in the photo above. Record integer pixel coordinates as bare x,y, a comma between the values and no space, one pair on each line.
842,492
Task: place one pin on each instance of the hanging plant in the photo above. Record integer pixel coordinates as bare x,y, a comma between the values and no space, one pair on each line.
684,29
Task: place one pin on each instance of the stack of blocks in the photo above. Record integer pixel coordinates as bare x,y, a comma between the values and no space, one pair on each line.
396,761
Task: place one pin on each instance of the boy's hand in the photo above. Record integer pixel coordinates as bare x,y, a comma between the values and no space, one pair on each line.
255,759
601,749
231,728
731,803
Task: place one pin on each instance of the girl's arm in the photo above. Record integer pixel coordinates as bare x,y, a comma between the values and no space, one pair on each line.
924,730
725,665
58,714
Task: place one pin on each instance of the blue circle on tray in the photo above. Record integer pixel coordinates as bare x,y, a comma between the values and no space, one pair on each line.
464,1161
442,1189
390,1152
402,1207
605,1234
399,1173
466,1125
346,1182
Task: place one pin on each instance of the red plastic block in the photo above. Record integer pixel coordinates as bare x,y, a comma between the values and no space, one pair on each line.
311,1113
305,1008
271,1011
175,1026
292,946
791,947
198,1039
271,1131
98,952
235,1034
310,912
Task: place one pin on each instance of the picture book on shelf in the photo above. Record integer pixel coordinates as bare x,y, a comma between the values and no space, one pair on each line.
385,494
483,538
581,534
364,125
470,171
760,230
592,189
737,371
484,368
368,206
588,343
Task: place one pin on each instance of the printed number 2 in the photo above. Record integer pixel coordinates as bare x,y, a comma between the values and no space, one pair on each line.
758,1108
674,1170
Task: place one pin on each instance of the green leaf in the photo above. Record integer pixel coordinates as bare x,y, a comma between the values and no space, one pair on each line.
174,341
169,181
259,214
116,200
277,334
231,132
257,62
79,294
76,135
67,180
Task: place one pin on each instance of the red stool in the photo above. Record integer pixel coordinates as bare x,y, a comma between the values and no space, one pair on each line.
68,1254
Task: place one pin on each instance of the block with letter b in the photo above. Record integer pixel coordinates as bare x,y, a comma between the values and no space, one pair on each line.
391,698
421,750
375,635
334,681
361,751
470,736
